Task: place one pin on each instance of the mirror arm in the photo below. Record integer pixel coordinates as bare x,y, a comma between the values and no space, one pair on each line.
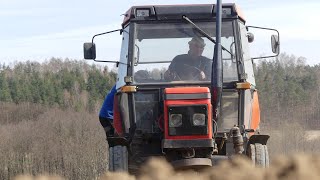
105,33
117,62
121,30
262,57
257,27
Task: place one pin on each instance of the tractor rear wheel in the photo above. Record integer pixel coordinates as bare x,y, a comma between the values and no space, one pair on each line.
267,155
118,158
259,155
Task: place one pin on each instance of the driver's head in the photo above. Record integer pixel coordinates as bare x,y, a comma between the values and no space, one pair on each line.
196,46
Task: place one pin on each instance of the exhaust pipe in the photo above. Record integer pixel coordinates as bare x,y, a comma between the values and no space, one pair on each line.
216,73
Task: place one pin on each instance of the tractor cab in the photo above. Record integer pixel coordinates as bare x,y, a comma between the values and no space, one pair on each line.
177,117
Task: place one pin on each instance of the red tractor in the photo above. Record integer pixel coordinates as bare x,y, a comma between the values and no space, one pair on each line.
200,115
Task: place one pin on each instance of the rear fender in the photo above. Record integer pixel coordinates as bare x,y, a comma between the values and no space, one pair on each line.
255,121
117,121
115,141
258,138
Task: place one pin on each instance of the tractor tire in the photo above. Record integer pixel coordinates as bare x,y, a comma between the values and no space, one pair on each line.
267,155
251,152
258,154
118,158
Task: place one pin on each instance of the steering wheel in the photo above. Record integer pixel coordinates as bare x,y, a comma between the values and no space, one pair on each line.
195,72
190,73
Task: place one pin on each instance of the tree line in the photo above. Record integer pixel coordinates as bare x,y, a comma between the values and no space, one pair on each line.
61,83
289,91
288,87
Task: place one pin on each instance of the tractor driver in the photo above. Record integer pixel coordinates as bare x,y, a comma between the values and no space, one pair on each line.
191,66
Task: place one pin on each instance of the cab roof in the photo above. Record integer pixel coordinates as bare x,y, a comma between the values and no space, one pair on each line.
175,12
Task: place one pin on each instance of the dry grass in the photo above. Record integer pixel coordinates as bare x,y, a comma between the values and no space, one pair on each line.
67,143
15,113
290,138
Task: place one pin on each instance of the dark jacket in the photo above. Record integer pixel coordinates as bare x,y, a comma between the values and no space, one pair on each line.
189,68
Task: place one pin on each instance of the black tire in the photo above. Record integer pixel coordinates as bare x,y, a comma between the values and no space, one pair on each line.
258,154
118,158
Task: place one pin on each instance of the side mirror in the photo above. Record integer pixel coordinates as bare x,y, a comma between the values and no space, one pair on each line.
250,37
275,44
89,51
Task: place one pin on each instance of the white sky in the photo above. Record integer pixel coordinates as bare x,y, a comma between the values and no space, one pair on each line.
41,29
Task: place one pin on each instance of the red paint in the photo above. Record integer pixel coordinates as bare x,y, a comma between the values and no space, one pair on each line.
117,123
255,120
187,90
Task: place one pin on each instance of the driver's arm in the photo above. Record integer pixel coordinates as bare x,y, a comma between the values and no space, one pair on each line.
170,74
207,69
167,75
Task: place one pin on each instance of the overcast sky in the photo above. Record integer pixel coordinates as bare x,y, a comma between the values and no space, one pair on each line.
40,29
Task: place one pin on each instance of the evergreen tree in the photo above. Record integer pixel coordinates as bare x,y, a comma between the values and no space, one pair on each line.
4,88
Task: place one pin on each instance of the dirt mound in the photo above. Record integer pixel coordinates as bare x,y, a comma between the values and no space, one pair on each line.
283,168
298,167
28,177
